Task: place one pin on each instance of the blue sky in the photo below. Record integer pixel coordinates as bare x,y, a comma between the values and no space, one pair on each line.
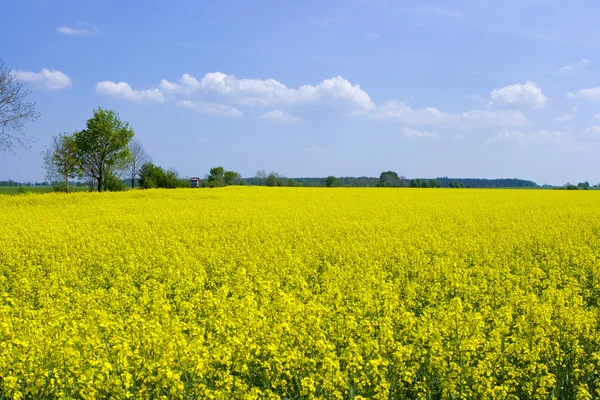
315,88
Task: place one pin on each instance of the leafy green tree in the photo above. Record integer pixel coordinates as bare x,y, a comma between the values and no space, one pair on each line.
584,185
232,178
391,179
216,178
102,145
272,179
112,182
153,176
331,181
147,176
291,182
60,160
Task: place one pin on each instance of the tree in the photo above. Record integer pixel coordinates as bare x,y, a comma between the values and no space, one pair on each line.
103,145
584,185
331,181
261,177
15,110
272,179
216,177
232,178
137,158
391,179
60,160
112,182
147,176
153,176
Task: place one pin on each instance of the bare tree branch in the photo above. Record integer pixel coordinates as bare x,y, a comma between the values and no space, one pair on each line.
137,158
15,111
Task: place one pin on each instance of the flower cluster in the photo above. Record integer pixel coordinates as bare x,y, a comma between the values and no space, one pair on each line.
298,293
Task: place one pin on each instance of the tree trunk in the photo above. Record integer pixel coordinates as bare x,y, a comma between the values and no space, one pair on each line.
99,183
132,182
66,184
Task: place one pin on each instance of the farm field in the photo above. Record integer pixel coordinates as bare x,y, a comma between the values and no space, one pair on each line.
298,293
37,189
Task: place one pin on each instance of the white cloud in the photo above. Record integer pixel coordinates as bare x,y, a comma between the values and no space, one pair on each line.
527,94
457,136
494,118
212,109
597,116
68,31
401,111
410,133
434,10
591,133
281,117
122,90
552,137
592,94
474,97
507,136
569,116
268,92
315,149
371,35
45,79
539,137
575,66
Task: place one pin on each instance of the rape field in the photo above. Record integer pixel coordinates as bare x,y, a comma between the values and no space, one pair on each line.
300,293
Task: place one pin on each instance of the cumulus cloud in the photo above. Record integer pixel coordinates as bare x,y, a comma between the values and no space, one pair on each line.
575,66
519,95
569,116
281,117
508,136
591,133
414,134
592,94
270,92
494,118
401,111
315,149
68,31
371,35
45,79
212,109
122,90
539,137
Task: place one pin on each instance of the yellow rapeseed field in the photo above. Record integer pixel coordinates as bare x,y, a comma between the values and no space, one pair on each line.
298,293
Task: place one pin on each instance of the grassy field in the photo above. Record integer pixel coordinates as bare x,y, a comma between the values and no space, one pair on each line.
301,293
37,189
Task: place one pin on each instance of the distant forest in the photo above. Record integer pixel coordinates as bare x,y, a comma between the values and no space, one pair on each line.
365,181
